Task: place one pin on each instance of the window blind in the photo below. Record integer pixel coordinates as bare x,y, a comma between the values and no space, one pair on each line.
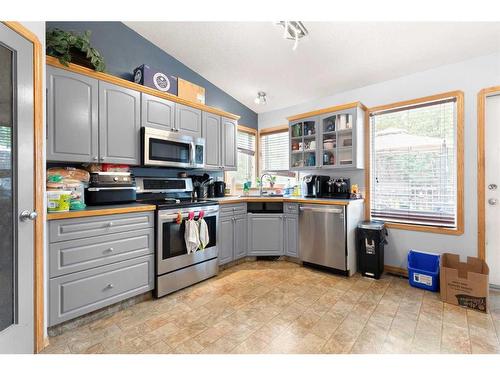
246,143
275,152
414,164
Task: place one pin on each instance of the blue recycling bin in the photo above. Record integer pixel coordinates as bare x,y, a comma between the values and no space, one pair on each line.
423,270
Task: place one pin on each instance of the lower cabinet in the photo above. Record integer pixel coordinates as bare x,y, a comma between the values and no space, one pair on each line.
232,242
98,261
265,234
291,237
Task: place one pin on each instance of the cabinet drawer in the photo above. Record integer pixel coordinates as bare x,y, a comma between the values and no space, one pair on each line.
79,255
71,229
291,208
82,292
233,209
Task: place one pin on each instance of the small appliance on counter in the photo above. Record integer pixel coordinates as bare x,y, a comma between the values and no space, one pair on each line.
339,188
220,189
110,188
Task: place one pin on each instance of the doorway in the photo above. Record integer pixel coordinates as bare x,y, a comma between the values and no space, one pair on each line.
21,291
489,181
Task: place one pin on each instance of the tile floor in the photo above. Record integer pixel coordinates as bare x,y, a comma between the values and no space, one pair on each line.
281,307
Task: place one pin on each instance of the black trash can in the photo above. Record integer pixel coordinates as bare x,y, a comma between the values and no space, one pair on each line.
370,241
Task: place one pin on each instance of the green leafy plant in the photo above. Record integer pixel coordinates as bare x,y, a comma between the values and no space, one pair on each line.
68,46
271,180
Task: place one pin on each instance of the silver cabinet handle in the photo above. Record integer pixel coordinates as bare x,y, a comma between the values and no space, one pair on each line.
28,215
110,286
95,158
110,224
492,186
110,250
492,201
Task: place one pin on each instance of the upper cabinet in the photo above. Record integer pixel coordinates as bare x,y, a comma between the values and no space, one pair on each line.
72,117
211,132
157,112
229,151
119,124
331,138
95,117
188,120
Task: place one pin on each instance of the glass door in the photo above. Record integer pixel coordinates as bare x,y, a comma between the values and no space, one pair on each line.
303,143
336,140
16,193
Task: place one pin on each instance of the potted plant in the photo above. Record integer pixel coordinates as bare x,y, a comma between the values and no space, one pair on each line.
69,46
272,181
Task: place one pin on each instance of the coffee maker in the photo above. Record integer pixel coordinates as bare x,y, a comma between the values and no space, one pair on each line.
309,182
320,187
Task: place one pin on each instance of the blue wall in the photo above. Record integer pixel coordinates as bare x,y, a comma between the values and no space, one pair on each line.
123,50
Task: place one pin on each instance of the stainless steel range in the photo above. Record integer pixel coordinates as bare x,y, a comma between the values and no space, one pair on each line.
175,268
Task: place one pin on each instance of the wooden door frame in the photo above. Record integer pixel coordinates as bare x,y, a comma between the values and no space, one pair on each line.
481,200
38,188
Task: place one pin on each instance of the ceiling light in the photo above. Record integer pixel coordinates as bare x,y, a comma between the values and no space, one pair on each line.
261,98
293,30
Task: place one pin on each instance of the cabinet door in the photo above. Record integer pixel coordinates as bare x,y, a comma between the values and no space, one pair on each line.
157,112
188,120
119,124
265,234
291,236
229,144
225,240
211,131
72,122
240,236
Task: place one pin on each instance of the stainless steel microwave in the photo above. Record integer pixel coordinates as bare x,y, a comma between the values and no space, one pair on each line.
167,149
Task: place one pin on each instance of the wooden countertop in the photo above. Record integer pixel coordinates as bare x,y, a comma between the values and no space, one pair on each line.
336,202
102,210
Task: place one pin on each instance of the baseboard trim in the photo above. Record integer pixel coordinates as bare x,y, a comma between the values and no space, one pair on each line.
396,270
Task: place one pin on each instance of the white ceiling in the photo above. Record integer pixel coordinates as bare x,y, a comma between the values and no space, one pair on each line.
243,58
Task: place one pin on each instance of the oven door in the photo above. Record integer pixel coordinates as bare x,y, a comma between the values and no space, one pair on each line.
171,251
163,148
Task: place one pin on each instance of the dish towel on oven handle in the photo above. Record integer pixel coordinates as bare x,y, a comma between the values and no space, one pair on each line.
204,236
191,235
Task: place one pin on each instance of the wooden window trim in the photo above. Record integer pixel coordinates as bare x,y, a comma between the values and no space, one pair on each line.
481,198
459,229
255,132
267,131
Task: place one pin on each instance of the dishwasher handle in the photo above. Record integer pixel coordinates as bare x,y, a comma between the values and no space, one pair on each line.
325,210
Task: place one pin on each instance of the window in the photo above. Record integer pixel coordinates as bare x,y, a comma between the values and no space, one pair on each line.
274,154
247,150
415,166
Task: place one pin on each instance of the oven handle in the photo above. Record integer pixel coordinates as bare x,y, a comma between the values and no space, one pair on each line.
173,216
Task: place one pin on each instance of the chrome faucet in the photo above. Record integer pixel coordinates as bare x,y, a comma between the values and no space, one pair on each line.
262,182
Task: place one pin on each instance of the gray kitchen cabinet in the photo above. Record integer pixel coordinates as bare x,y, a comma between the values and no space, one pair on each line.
119,124
97,261
240,236
291,235
211,132
188,120
265,234
229,143
72,116
157,112
82,292
226,239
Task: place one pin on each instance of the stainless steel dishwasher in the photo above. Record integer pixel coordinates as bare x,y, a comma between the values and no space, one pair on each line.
322,236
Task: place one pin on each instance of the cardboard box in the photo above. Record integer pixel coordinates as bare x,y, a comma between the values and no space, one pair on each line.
464,284
191,92
147,76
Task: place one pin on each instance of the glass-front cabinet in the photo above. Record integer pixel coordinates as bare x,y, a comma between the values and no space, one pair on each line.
333,140
303,143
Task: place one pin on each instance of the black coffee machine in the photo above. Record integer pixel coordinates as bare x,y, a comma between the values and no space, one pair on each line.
337,187
314,185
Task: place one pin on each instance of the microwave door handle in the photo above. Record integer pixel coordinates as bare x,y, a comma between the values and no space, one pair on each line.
193,154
